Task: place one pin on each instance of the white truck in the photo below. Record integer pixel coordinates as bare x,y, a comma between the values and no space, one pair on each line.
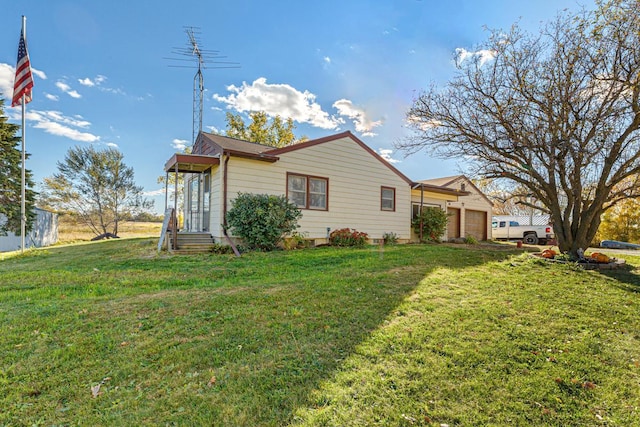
529,234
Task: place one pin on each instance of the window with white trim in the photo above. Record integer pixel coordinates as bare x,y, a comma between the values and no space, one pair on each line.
308,192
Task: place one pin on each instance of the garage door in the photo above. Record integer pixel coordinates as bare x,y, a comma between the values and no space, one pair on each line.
453,223
476,224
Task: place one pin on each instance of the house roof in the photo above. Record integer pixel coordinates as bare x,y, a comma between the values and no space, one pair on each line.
444,181
439,189
447,181
235,145
241,148
190,163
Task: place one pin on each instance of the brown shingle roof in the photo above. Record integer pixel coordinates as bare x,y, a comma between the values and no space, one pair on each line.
238,145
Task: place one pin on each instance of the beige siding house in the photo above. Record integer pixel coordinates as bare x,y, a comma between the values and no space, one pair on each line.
336,181
471,214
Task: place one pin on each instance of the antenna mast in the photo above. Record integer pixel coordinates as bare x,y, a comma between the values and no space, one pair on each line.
202,57
198,88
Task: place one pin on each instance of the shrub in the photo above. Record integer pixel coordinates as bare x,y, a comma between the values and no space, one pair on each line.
433,221
348,237
295,241
262,220
219,249
390,238
470,240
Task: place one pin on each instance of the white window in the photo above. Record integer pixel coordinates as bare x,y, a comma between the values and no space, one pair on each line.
308,192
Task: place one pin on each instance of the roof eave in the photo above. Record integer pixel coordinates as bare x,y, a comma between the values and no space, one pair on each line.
190,163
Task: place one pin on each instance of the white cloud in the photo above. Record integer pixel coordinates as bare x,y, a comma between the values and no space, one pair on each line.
55,123
63,86
67,89
56,116
214,129
421,124
112,145
179,144
86,82
286,101
482,56
385,153
157,192
7,75
327,59
278,99
362,122
50,96
55,128
39,73
97,81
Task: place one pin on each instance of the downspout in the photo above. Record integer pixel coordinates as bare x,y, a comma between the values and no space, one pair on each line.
224,204
421,206
224,190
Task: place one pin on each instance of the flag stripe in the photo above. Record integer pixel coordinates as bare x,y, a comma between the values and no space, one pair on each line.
24,79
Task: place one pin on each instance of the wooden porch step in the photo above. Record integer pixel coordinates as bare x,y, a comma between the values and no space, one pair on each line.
190,242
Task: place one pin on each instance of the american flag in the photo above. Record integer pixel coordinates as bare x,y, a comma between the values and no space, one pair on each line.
24,80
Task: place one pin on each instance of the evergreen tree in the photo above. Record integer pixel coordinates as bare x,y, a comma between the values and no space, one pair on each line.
11,178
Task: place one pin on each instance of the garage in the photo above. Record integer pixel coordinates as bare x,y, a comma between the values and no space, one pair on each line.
453,223
476,224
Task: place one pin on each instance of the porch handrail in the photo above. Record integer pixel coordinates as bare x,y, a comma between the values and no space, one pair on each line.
169,225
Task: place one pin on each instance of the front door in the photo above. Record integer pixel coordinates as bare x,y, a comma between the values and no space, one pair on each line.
206,204
193,213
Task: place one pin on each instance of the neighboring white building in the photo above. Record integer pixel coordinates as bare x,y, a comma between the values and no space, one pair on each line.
471,214
337,182
43,233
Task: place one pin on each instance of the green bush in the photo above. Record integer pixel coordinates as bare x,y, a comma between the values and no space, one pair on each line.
262,220
470,240
433,221
295,241
390,238
348,237
219,249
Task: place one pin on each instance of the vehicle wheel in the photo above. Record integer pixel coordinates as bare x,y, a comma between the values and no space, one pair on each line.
530,239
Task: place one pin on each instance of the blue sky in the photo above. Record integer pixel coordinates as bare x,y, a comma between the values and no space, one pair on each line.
102,77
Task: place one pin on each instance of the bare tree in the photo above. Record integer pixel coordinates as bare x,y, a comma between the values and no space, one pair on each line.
555,113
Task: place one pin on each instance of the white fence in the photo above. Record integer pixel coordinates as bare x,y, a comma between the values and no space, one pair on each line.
524,219
44,233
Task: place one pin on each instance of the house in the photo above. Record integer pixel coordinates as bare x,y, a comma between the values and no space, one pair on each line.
337,182
471,214
44,232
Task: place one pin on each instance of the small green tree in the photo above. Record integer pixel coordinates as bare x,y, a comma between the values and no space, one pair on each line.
277,133
433,223
97,187
262,220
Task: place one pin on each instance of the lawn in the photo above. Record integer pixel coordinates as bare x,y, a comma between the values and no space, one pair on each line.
111,333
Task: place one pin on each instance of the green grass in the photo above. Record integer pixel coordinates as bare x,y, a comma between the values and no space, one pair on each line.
413,335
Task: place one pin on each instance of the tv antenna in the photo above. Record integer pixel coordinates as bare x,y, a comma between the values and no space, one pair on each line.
203,58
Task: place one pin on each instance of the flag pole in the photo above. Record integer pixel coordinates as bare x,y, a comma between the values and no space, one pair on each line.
23,210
